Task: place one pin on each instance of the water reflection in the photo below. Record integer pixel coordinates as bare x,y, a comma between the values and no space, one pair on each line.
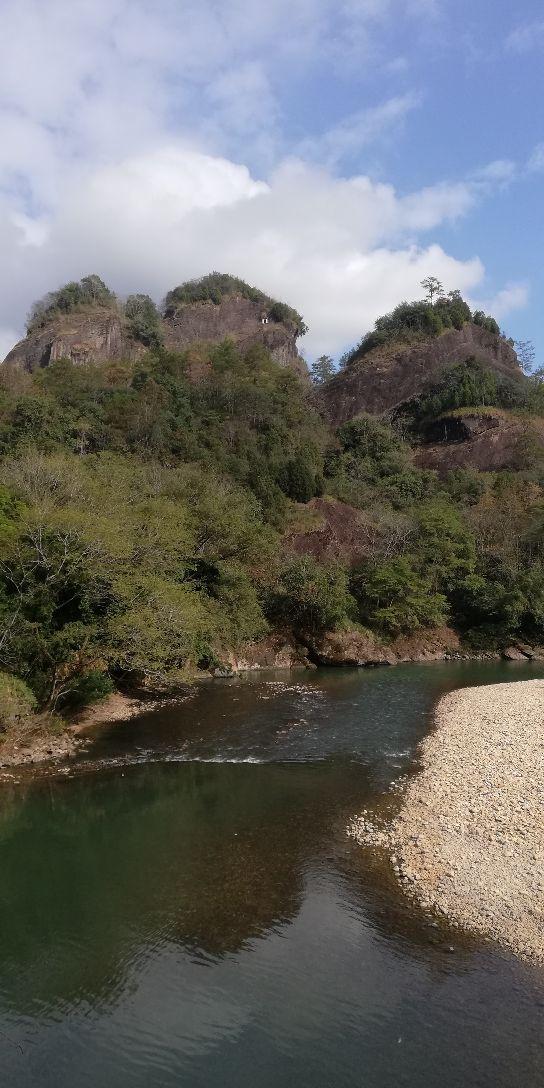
195,922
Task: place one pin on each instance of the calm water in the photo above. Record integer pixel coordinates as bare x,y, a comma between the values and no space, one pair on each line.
185,909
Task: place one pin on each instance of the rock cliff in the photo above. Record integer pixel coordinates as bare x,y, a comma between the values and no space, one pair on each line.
97,334
486,442
384,378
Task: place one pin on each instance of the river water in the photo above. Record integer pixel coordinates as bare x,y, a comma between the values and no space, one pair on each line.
184,908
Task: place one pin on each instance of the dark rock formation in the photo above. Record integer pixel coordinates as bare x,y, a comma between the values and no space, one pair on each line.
98,334
487,442
240,319
336,531
87,336
382,380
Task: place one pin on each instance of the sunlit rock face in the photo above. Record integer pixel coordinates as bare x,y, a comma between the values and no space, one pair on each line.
100,334
383,379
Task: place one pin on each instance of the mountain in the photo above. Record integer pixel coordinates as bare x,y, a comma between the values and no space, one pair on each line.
84,322
381,380
177,500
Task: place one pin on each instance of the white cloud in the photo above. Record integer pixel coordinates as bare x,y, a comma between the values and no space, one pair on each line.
526,37
535,164
515,296
332,247
500,171
132,135
355,132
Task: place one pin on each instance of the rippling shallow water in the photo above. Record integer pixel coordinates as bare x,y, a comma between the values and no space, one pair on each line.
185,909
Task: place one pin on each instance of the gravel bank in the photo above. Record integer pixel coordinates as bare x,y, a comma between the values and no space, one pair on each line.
468,842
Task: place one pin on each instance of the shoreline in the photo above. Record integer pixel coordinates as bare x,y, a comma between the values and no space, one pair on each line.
468,842
60,747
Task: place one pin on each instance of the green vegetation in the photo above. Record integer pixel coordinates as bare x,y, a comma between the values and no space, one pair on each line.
144,505
470,385
322,369
413,321
218,286
89,291
143,320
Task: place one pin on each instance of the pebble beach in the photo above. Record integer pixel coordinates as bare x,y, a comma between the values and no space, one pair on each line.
468,841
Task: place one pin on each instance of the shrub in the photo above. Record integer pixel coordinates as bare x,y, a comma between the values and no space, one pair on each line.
17,703
394,597
310,596
89,291
411,321
143,320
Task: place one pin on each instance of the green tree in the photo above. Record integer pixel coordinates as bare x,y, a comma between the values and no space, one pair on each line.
433,288
393,597
144,320
322,369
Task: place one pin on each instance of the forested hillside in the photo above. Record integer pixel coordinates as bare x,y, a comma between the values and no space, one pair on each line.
148,510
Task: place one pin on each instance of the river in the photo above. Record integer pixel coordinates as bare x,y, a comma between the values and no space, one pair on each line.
183,906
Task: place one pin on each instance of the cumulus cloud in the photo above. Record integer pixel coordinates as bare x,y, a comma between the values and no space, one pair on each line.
514,296
341,250
148,143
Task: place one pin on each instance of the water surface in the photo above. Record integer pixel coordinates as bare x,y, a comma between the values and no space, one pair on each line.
185,909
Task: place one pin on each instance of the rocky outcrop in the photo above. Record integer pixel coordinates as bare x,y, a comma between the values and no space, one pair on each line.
486,442
240,319
383,379
279,650
342,649
333,531
359,648
99,334
90,336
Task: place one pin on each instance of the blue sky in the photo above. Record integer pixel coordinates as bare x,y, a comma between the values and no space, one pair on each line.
333,153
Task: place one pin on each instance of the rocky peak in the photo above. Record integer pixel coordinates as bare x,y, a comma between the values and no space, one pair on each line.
381,380
93,332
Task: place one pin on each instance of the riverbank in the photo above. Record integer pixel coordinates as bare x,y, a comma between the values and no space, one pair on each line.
468,842
56,745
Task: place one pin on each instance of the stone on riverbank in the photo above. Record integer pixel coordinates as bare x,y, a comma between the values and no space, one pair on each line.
468,842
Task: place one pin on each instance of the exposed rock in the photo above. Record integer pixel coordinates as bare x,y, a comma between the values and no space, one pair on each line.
434,644
386,377
279,650
98,334
514,653
87,336
239,319
336,531
489,443
347,648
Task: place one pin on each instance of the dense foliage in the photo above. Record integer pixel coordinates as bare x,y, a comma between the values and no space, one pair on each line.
143,320
473,385
89,291
146,511
411,321
218,286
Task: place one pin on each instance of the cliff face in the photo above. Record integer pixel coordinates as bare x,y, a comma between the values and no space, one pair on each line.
99,334
386,377
488,443
85,337
240,319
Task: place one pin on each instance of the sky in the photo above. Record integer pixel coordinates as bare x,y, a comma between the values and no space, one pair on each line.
331,152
